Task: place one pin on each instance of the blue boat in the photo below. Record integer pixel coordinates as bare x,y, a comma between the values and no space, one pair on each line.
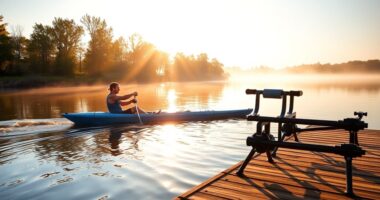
106,118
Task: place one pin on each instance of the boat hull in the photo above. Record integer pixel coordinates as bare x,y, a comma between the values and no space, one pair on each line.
105,118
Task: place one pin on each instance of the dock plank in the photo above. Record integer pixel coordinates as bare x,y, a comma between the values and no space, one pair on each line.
298,174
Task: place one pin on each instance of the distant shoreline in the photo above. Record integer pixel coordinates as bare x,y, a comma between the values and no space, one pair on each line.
345,70
38,81
351,67
29,82
34,82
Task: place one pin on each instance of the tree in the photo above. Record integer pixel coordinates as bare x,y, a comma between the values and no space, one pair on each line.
148,63
183,68
41,49
19,50
216,70
18,42
66,36
93,24
5,48
98,57
190,68
145,61
135,42
118,50
201,67
81,51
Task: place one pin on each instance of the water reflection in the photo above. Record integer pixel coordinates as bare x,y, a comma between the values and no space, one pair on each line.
124,141
44,103
354,83
353,93
171,98
92,145
64,150
355,87
158,161
114,139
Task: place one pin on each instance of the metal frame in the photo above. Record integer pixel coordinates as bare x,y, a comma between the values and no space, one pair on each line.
287,125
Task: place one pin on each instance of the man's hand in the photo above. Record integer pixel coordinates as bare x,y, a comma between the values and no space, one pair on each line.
134,101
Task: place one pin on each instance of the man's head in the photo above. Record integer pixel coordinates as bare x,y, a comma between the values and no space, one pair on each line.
114,87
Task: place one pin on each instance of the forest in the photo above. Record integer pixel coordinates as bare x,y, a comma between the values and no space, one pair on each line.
57,50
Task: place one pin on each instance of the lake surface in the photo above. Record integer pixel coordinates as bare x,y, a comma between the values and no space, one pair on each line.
43,156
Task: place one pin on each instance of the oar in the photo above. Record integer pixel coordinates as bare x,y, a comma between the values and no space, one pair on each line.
137,110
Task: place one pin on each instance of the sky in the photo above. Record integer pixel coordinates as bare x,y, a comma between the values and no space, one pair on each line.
241,33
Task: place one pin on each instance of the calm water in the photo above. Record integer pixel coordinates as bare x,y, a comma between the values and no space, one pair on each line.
43,156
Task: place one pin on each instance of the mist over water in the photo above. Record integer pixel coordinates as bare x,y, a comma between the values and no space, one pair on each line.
324,96
42,155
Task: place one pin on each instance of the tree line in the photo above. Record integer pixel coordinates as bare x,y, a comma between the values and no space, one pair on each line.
57,50
369,66
351,67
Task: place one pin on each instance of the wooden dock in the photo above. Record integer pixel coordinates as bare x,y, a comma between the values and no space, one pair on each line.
300,174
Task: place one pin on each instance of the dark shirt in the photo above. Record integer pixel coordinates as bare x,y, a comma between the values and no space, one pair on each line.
114,107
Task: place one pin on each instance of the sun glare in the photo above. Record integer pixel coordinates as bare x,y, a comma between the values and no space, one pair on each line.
240,33
169,135
237,33
171,98
82,105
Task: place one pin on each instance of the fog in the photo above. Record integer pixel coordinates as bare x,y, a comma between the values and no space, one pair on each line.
247,76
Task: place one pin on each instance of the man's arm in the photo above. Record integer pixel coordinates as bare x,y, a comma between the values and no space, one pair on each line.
115,98
125,103
124,97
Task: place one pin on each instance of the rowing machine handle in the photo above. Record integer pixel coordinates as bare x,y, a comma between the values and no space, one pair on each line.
253,91
360,114
296,93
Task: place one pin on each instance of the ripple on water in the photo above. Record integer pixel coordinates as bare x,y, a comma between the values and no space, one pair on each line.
12,128
120,162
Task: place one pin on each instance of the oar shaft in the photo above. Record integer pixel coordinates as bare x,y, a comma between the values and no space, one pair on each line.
137,111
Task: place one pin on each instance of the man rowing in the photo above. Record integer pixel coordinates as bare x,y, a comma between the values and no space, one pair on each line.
115,101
